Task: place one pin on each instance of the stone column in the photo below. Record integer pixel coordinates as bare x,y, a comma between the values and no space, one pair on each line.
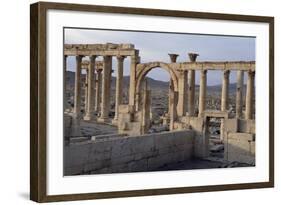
225,88
191,86
119,85
146,110
132,88
182,93
65,104
202,92
85,85
173,107
239,93
171,90
191,93
77,89
98,91
105,98
90,89
249,95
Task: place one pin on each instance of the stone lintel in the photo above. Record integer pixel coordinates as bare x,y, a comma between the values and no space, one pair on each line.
100,53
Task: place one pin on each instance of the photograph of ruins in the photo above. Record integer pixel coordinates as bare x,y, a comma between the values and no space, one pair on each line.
138,101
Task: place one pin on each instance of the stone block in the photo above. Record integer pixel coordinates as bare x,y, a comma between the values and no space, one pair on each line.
76,155
140,165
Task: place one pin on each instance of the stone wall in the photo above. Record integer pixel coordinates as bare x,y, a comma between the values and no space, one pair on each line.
240,147
128,154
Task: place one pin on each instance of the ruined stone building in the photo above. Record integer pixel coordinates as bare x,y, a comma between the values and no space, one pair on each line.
132,119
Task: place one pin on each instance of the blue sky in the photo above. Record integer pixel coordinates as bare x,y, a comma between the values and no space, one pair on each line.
156,46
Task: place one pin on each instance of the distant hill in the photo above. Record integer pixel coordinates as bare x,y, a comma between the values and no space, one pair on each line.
153,84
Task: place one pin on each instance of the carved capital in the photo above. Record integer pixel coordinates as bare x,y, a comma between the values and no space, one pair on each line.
251,73
193,56
93,58
204,72
120,58
226,73
173,57
79,57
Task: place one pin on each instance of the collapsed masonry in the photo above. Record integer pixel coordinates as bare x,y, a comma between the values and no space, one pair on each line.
133,119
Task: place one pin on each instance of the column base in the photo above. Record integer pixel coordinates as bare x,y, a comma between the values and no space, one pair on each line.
115,121
89,117
103,120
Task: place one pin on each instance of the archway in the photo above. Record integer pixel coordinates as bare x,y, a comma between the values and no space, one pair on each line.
148,67
160,79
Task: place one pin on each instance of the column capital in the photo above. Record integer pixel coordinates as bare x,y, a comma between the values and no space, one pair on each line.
93,57
173,57
120,57
193,56
106,56
251,72
204,72
226,73
79,57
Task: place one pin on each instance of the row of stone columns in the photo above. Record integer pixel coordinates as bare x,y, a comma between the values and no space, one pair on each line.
225,92
98,85
186,91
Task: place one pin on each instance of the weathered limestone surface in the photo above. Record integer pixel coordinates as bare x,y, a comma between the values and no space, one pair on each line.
106,82
182,94
133,119
202,92
249,95
240,147
191,93
224,93
77,91
145,121
239,93
129,154
65,104
98,91
91,78
132,88
119,85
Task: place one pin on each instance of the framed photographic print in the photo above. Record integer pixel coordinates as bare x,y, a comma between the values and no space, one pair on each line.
135,102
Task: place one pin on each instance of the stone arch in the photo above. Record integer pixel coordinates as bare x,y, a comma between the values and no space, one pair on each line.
148,67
